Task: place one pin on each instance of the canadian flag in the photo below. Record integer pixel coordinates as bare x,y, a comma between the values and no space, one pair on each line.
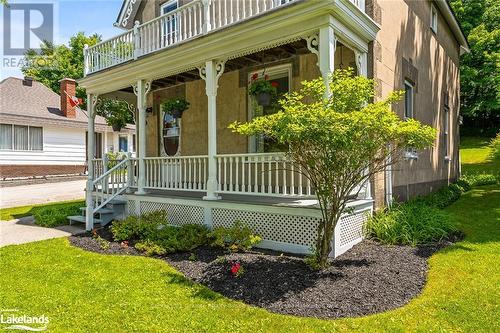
73,100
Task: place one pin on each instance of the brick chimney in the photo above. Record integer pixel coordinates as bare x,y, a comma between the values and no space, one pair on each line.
68,87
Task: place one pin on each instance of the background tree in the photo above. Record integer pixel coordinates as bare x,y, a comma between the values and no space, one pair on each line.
339,142
480,69
55,62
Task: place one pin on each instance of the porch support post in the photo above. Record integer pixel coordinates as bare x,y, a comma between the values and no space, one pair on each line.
141,89
326,50
89,202
211,73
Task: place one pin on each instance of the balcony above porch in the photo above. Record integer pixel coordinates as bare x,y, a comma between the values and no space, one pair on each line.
216,29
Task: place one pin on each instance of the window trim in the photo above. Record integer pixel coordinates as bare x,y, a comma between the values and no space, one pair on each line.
29,141
434,19
166,4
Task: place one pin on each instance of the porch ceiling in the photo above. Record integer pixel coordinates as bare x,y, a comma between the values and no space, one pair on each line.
257,59
241,44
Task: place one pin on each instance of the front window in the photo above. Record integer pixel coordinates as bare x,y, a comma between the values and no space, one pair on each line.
169,33
20,137
280,77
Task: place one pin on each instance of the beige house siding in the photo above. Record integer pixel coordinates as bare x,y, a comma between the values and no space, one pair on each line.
406,34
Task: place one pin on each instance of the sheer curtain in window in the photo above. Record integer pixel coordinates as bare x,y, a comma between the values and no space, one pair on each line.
5,136
36,138
20,137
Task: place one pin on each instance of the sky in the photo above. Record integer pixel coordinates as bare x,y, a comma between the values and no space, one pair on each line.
70,17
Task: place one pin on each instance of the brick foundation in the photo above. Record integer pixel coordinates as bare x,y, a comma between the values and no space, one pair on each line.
19,171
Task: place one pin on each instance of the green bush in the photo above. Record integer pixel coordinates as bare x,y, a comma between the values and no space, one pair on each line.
53,216
495,147
150,248
152,228
478,179
412,223
238,237
138,228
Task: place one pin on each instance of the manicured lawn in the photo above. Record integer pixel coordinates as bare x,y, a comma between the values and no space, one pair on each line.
18,212
475,157
85,292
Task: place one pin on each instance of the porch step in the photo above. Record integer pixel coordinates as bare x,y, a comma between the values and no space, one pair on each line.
81,219
100,210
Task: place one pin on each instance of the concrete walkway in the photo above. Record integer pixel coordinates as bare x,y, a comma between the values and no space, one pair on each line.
25,195
24,230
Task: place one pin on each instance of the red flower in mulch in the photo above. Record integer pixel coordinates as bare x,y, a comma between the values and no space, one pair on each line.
235,268
275,84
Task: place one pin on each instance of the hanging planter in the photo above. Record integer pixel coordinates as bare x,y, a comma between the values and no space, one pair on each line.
262,90
117,127
263,99
175,107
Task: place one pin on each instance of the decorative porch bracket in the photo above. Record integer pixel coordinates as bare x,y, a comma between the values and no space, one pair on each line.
141,90
89,202
211,72
323,44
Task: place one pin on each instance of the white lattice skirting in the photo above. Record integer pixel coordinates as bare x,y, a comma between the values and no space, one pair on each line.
289,229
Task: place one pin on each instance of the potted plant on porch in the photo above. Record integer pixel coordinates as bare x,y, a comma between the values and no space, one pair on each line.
262,89
175,107
116,112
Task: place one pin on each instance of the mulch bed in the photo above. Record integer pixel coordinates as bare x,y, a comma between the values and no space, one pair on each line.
367,279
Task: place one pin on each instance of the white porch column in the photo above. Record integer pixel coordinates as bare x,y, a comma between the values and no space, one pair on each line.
211,73
89,202
326,49
141,89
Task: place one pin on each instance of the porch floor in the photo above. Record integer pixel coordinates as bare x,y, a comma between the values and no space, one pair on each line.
292,201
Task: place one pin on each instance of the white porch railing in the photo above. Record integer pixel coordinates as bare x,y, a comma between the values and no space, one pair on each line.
187,173
194,19
270,174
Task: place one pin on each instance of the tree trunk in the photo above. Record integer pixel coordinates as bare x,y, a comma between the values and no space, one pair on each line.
325,235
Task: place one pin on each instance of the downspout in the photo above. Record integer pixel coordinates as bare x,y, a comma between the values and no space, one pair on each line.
388,182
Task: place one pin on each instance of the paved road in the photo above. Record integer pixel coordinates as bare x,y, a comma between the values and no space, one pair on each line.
41,193
24,230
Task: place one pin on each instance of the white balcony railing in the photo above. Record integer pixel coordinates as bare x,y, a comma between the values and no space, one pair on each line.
198,17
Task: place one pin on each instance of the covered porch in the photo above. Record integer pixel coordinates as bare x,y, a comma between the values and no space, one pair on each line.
194,166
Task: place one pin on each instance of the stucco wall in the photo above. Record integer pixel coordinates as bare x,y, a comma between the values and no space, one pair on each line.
406,34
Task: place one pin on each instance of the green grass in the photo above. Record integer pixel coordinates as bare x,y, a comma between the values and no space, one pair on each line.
86,292
475,156
7,214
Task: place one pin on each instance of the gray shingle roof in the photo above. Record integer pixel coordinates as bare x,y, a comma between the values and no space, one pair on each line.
38,105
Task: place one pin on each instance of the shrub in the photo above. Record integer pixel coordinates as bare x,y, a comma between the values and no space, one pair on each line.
54,216
478,179
152,228
137,228
412,223
238,237
150,248
495,147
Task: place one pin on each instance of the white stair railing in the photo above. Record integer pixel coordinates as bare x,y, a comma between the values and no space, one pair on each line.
110,184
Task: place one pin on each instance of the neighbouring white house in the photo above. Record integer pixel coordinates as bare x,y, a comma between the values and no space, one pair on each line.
206,52
42,134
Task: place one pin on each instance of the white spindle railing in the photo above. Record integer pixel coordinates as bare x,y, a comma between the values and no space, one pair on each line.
110,184
191,20
270,174
187,173
97,166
